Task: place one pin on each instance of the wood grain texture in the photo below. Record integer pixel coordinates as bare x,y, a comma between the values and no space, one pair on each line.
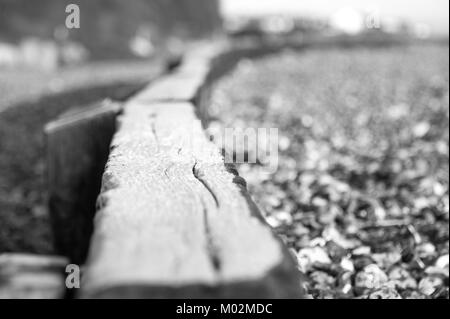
77,151
175,221
32,277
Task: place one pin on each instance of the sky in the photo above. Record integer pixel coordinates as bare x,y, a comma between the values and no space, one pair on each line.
431,12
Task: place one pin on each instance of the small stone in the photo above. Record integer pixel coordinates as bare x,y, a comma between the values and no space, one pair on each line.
421,129
426,250
429,285
421,203
307,257
335,251
273,201
385,292
402,279
413,294
307,178
347,265
324,294
443,262
396,112
441,293
302,242
300,230
436,271
332,234
379,213
361,251
372,277
319,202
331,269
284,143
417,264
319,242
292,252
326,216
283,217
360,262
322,280
439,189
387,260
273,221
345,282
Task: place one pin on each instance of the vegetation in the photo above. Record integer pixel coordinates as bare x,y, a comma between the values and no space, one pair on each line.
24,220
108,25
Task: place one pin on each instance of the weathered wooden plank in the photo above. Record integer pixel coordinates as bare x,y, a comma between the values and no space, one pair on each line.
77,151
175,222
188,82
179,86
32,277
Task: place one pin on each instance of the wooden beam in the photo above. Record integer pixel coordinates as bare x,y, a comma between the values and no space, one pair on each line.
175,221
77,151
32,277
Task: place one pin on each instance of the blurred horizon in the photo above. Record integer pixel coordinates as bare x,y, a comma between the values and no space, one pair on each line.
109,28
431,14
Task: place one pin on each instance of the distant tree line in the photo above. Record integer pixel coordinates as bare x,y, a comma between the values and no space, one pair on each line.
107,25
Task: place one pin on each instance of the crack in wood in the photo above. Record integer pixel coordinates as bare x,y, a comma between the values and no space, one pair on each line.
160,212
153,126
166,172
198,174
213,251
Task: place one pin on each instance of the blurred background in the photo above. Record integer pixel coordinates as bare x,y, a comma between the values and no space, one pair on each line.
34,33
364,128
419,16
110,28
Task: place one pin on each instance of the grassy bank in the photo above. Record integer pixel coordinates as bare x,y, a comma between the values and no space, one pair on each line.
28,100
